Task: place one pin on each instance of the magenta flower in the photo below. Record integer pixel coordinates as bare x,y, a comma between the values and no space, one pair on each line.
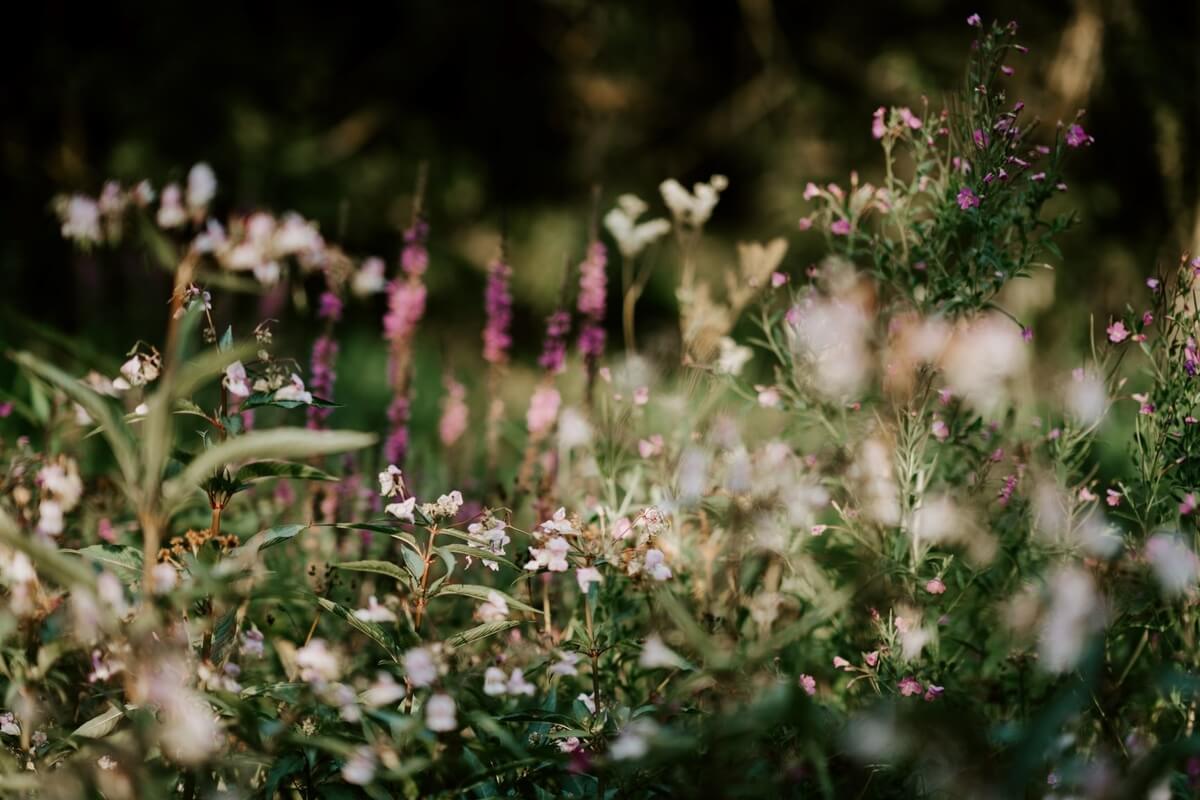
321,378
1077,136
414,259
455,414
809,684
981,138
593,294
967,198
933,692
1117,332
909,686
1188,505
975,21
840,227
878,128
497,302
329,307
554,347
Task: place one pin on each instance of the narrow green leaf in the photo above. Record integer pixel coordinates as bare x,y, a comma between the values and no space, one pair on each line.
125,562
369,629
258,470
378,567
101,725
480,593
481,632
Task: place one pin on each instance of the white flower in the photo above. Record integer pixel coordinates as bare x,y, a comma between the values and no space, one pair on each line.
553,556
655,565
586,576
369,279
170,207
622,223
420,666
1076,611
440,713
589,702
518,685
732,357
402,511
1174,563
374,612
50,518
191,733
62,481
565,666
558,523
494,682
294,391
633,742
318,664
165,578
9,725
391,481
107,763
201,187
693,208
495,609
656,655
81,219
235,380
359,769
383,692
137,371
296,235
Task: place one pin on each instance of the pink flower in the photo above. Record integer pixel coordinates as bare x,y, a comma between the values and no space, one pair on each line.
809,684
872,658
817,530
878,128
778,279
935,586
1153,283
1077,136
455,414
1117,332
1113,498
981,138
940,430
908,118
641,395
1188,505
805,223
840,663
543,410
974,21
933,692
1086,495
811,190
840,227
967,198
649,448
909,686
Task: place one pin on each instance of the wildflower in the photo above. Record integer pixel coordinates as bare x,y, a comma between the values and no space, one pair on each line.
1154,284
974,21
517,685
693,209
420,666
201,188
935,586
359,769
649,448
940,430
1145,406
1075,611
317,663
817,530
878,128
1086,495
1112,497
80,216
634,740
768,397
586,576
384,691
236,380
552,557
981,138
252,644
566,665
495,609
656,655
633,237
1117,332
170,208
909,686
589,702
374,612
732,357
655,565
1077,136
872,658
323,375
294,391
933,692
391,482
554,348
498,312
543,410
1188,505
967,198
840,227
808,683
50,518
494,682
569,745
9,725
369,279
440,713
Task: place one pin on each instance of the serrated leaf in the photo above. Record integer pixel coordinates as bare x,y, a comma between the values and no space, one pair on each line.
369,629
481,593
481,632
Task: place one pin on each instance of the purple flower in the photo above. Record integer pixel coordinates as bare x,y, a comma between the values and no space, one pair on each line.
330,307
975,21
593,293
981,138
321,378
967,198
554,347
497,302
1077,136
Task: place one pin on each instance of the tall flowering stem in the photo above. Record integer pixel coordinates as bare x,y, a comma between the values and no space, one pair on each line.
406,306
323,364
593,294
497,340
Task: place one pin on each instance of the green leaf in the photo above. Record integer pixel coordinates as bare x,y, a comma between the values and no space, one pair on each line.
125,562
378,567
481,632
369,629
261,399
477,553
285,765
258,470
414,562
225,343
277,443
279,534
100,726
480,593
224,634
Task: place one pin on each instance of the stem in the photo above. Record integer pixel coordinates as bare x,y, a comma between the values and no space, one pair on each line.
428,560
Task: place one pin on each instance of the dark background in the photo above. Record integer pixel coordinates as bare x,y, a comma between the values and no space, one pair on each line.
520,108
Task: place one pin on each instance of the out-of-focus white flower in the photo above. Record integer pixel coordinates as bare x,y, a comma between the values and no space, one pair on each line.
586,576
369,279
983,359
359,769
421,667
80,217
383,692
190,731
1174,564
589,702
553,556
731,357
494,682
1075,613
374,612
138,371
171,213
165,578
656,655
9,725
517,685
565,666
236,380
574,430
1087,397
872,471
252,644
829,336
294,391
317,663
656,565
50,518
296,235
693,208
201,188
622,223
440,713
495,609
634,740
